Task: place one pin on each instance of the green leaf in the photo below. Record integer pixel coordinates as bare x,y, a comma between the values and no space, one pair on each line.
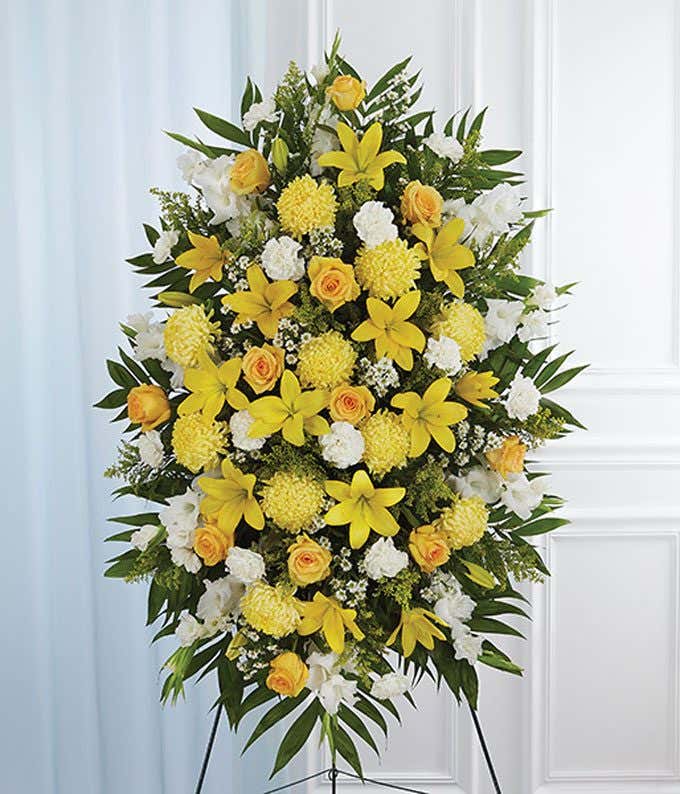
137,520
345,746
133,366
296,736
113,399
562,413
120,536
476,125
469,683
120,375
562,378
200,147
355,723
120,569
492,659
493,607
550,369
157,597
151,234
541,526
534,364
231,688
254,699
223,128
367,708
491,626
247,98
499,156
381,83
274,715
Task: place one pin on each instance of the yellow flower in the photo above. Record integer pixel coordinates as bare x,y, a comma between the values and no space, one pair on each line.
394,337
305,205
250,173
421,204
212,386
464,522
328,615
270,610
288,674
292,413
429,416
464,324
388,270
363,507
292,500
386,442
350,403
198,442
264,303
417,625
308,562
148,406
360,160
211,543
188,331
262,367
428,548
346,92
231,498
326,360
207,258
332,281
508,458
474,387
444,253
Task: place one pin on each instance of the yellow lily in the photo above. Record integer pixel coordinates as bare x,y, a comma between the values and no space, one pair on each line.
292,413
417,625
474,387
327,614
207,258
444,253
264,303
393,336
212,386
231,498
429,416
363,507
359,159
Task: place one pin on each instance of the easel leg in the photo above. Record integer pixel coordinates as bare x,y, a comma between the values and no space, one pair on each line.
208,750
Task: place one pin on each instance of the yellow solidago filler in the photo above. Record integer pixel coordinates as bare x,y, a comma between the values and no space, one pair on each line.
292,500
207,258
390,330
230,498
188,332
508,458
288,674
327,614
464,324
308,561
198,442
304,205
417,625
270,609
326,361
474,387
386,442
464,522
388,270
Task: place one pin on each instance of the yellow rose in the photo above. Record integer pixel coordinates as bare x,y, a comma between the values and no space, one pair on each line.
308,562
508,458
211,543
350,403
147,405
250,173
428,547
262,367
421,204
288,674
332,281
346,92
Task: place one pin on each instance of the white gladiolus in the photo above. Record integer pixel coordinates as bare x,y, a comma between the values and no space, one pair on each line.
522,495
213,179
189,630
479,481
501,321
468,647
143,536
454,606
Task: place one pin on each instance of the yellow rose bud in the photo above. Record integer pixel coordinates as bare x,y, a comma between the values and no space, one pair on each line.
346,92
250,173
508,458
350,403
474,387
428,547
421,204
262,367
211,543
308,562
288,674
280,155
147,406
332,281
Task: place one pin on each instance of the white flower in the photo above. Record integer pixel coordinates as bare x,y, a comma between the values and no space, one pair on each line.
444,146
323,140
321,667
468,647
454,606
220,600
189,630
180,518
534,325
522,495
185,558
280,259
150,449
476,229
149,343
143,536
383,559
444,354
319,72
374,224
500,206
239,424
190,164
244,565
164,245
139,322
213,179
501,321
522,399
335,690
176,373
479,481
259,112
543,296
343,446
389,686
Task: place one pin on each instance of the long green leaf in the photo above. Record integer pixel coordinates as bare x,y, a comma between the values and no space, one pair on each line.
562,378
223,128
345,746
296,736
355,723
367,708
541,526
274,715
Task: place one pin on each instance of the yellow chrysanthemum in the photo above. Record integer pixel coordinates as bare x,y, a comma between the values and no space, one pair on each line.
386,441
291,500
305,205
464,522
326,361
270,610
388,270
198,442
464,324
188,332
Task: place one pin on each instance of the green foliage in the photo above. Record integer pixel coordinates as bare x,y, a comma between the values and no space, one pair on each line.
400,587
426,489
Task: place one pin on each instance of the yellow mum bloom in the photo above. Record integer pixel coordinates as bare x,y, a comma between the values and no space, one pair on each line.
394,337
417,625
327,614
207,258
464,522
429,416
188,332
270,610
444,253
212,386
386,442
326,361
264,303
363,507
305,205
291,500
231,498
198,442
388,270
359,160
474,387
464,324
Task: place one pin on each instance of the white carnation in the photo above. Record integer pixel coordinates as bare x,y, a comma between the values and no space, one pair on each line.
149,343
454,606
501,321
180,517
185,558
522,399
143,536
190,163
534,325
176,373
259,112
164,245
343,446
220,599
468,647
390,685
444,354
522,495
239,424
244,565
375,224
543,296
335,690
189,630
280,259
213,179
444,146
150,449
479,481
383,559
